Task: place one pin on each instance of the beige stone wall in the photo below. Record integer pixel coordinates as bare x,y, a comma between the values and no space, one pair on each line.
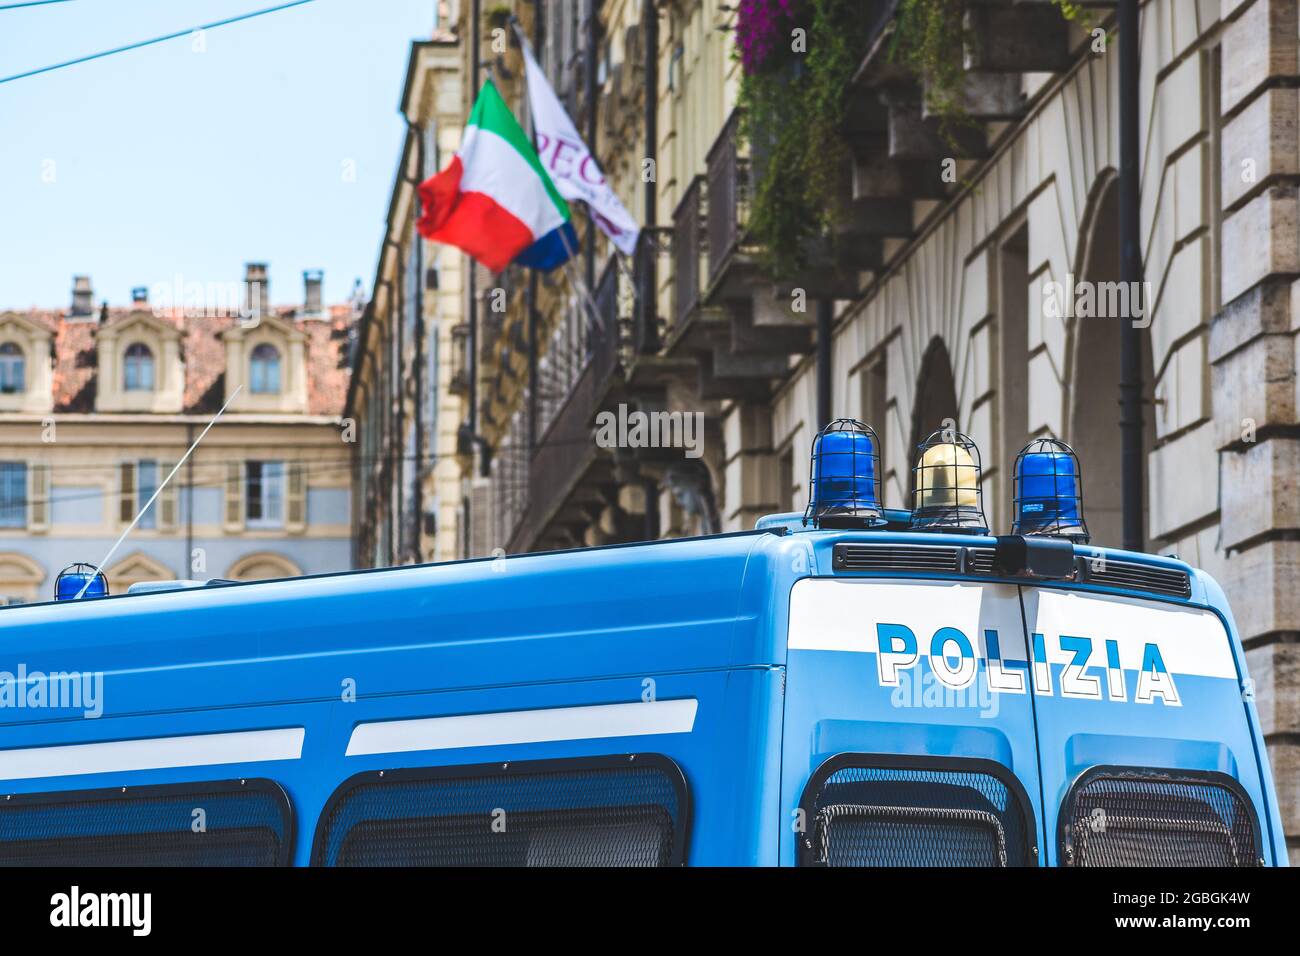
80,459
1253,354
1046,175
33,339
443,107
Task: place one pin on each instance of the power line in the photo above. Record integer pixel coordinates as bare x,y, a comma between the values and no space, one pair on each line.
30,3
162,39
13,452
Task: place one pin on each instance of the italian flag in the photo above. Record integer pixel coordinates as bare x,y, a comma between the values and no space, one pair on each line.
495,201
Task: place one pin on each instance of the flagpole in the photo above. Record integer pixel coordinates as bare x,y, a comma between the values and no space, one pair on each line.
472,281
533,317
583,288
649,296
589,62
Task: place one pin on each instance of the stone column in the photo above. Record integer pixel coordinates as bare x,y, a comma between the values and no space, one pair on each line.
1253,368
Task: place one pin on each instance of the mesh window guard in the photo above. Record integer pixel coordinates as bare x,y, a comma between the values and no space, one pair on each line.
626,810
885,810
1126,816
222,823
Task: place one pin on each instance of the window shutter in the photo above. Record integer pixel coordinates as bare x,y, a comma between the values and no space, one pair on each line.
296,497
38,497
126,509
480,520
166,503
234,494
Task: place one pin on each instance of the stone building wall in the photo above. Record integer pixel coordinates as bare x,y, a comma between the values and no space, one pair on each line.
1219,226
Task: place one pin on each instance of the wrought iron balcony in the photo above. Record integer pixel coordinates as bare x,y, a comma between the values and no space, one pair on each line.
566,450
728,190
689,225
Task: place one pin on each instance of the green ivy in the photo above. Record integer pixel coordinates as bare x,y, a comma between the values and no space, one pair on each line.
794,110
497,16
930,40
793,117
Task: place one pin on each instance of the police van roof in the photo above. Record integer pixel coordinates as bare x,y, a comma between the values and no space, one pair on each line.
693,604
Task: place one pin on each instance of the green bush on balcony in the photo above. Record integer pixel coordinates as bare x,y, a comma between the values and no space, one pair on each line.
793,108
929,39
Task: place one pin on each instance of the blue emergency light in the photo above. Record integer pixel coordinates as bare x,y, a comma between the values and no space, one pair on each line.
844,483
1048,495
68,585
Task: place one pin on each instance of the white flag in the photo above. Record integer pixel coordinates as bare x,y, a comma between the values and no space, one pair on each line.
573,169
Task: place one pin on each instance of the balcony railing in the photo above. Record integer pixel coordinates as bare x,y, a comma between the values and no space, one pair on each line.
728,196
689,225
656,247
607,329
560,459
568,446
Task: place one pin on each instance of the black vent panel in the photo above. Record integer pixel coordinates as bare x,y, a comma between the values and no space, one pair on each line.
884,810
897,557
885,558
604,811
1127,817
223,823
1137,577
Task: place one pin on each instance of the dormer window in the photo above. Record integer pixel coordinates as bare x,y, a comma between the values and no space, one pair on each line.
266,366
264,371
138,368
13,372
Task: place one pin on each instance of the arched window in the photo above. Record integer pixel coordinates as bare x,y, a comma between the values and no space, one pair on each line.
12,370
264,377
138,370
1094,399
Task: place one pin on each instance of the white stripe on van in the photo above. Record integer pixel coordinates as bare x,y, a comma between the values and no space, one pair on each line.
152,753
524,727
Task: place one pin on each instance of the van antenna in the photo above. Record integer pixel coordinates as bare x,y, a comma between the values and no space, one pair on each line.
157,491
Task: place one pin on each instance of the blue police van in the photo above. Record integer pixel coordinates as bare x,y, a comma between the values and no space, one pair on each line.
850,686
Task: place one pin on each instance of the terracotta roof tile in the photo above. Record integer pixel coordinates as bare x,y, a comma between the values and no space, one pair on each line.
75,365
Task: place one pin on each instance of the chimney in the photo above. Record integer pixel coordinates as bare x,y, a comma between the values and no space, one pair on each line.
83,296
140,295
257,289
312,280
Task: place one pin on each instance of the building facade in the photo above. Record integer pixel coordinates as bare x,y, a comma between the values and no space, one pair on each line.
98,404
404,397
974,282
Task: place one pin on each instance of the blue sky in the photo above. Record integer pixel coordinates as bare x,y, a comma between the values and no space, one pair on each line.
163,161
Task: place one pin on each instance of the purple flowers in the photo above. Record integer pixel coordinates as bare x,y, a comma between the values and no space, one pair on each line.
763,29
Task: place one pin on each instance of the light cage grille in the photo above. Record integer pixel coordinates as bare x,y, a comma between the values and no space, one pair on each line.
228,823
901,813
616,812
1116,817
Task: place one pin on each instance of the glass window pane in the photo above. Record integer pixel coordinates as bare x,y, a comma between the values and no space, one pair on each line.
264,371
137,373
13,494
147,481
12,372
273,491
